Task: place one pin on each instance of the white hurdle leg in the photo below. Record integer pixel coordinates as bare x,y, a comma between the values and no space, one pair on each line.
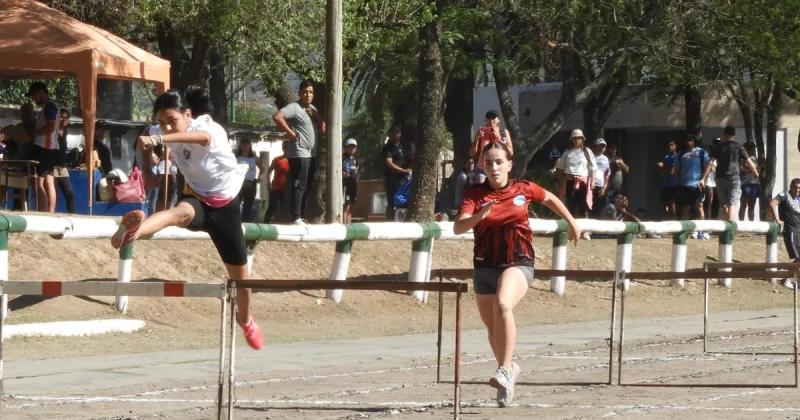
772,248
3,271
419,272
726,252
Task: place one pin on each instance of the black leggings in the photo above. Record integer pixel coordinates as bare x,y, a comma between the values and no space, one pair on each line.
224,226
299,169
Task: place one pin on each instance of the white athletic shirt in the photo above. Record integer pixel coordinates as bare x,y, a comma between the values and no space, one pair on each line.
573,162
212,170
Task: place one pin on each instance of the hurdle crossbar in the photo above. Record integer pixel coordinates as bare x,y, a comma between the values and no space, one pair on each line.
458,288
107,288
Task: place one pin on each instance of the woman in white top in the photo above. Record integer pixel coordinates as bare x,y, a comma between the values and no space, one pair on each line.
209,201
576,169
246,156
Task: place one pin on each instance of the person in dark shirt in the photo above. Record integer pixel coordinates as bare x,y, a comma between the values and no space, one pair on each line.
103,152
786,211
497,212
395,167
726,156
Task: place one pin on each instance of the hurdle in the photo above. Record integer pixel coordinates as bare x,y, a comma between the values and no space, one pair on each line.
393,286
706,275
144,289
573,275
743,266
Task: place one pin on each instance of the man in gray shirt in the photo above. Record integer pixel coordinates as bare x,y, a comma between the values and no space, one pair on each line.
728,155
300,120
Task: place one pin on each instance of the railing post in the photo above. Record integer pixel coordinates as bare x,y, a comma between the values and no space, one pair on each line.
559,262
726,249
420,265
3,271
679,241
124,269
772,247
341,263
625,250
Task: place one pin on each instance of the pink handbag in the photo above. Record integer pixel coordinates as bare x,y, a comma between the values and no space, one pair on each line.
133,190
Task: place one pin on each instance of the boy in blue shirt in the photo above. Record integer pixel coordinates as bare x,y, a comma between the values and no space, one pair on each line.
689,168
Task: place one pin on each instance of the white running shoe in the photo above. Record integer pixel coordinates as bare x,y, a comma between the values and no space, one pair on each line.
504,382
695,234
299,222
788,283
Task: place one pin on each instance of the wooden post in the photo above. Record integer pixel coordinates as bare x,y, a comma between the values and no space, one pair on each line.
333,70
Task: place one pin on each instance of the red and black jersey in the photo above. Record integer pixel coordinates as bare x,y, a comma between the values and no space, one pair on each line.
503,239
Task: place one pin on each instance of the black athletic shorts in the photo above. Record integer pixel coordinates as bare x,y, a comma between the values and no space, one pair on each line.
47,159
350,190
223,225
689,196
485,280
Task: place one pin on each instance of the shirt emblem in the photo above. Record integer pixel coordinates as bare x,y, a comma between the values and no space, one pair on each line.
519,200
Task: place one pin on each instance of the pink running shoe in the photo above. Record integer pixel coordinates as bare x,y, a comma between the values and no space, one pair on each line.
127,229
252,333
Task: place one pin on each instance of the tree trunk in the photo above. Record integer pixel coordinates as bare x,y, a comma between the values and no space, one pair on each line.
502,83
426,163
315,205
569,101
745,103
185,70
458,116
761,99
217,86
774,113
693,107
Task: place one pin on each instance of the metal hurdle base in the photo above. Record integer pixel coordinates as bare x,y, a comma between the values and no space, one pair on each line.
293,285
706,275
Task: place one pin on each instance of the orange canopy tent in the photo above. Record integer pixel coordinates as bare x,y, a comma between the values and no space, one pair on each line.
37,41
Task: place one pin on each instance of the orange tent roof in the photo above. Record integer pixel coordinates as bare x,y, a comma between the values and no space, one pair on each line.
37,41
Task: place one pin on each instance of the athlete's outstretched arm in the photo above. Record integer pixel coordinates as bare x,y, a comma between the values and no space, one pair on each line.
553,203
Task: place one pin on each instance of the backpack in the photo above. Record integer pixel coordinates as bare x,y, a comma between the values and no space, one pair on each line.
401,196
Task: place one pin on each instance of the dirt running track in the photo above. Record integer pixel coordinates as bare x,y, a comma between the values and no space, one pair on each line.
374,355
394,377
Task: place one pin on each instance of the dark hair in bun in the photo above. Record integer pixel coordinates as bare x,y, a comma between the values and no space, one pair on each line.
198,101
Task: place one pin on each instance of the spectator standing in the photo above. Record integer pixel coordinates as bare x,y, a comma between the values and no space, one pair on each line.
349,178
690,167
247,195
60,170
602,171
463,181
45,146
786,211
300,120
103,152
668,179
711,204
491,132
751,184
619,169
162,168
728,155
576,175
395,167
497,212
279,173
